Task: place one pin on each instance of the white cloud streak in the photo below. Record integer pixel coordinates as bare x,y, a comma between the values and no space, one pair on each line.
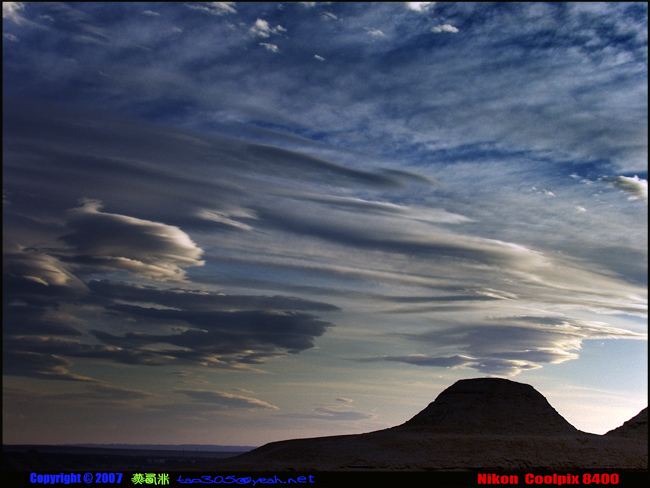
375,32
226,400
444,28
214,8
637,187
270,47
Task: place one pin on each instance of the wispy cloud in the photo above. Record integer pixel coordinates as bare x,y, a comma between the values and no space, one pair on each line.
213,8
201,299
444,28
270,47
358,240
335,412
375,32
225,400
114,393
325,413
40,366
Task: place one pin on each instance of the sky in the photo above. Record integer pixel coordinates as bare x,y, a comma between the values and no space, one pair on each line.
237,223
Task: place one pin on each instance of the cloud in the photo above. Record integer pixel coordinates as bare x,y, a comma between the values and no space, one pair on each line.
313,4
419,6
196,327
10,10
346,221
71,22
21,317
248,196
503,367
292,164
444,28
509,345
637,187
274,174
225,217
242,167
200,299
48,347
151,13
375,32
243,390
324,413
422,360
202,328
391,235
244,334
30,273
40,366
270,47
112,393
87,395
225,400
262,28
404,123
214,8
11,37
500,367
411,212
337,413
141,247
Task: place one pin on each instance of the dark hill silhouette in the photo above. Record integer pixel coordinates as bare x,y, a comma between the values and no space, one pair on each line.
491,406
635,428
476,424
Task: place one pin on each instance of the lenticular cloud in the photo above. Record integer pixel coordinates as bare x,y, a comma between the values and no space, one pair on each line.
142,247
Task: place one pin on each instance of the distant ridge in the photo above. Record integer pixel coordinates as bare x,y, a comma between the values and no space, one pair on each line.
476,424
169,447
